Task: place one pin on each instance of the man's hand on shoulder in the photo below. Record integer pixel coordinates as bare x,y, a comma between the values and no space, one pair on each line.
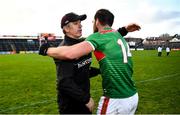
132,27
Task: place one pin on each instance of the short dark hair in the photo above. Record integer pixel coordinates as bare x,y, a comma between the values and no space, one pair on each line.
105,17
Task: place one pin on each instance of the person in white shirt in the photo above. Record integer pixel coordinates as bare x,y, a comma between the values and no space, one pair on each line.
167,51
159,51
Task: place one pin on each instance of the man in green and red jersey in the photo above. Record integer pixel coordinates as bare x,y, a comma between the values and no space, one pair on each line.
111,50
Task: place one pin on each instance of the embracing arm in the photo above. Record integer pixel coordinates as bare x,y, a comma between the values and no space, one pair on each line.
122,31
93,71
129,28
70,52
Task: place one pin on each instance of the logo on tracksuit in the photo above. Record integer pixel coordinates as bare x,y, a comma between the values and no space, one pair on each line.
84,62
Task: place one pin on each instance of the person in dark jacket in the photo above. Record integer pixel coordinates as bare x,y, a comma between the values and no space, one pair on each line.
73,84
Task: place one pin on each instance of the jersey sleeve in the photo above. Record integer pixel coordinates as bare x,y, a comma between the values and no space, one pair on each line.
95,40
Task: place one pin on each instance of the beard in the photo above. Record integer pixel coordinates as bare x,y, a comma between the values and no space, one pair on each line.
95,30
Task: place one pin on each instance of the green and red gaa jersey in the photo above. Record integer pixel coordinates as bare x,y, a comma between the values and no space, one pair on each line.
113,54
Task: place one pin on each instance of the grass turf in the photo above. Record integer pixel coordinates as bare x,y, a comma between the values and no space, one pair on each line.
28,83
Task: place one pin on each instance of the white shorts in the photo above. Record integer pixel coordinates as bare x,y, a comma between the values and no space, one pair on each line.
118,106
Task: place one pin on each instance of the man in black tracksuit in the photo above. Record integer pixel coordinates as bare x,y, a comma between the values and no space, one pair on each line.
73,84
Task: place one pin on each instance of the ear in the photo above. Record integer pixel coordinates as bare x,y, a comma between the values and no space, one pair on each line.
97,21
66,28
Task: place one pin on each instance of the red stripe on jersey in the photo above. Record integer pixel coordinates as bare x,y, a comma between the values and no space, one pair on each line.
99,55
106,31
104,106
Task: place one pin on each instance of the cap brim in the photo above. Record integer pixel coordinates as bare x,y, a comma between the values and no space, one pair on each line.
82,17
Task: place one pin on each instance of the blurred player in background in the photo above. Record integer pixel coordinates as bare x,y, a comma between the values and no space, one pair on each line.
167,51
159,51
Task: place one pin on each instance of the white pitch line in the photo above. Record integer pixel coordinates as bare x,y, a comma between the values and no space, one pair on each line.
167,76
47,101
154,79
26,105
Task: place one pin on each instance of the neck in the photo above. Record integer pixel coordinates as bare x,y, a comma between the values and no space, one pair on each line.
71,36
101,28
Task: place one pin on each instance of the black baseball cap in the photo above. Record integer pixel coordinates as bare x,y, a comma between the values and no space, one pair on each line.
71,17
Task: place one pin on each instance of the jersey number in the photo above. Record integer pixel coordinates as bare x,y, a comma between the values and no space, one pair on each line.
120,43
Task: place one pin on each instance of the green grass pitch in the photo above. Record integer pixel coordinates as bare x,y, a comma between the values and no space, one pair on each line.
28,83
